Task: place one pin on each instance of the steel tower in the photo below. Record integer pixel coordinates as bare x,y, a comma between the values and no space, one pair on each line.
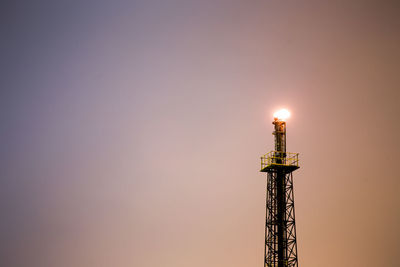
280,227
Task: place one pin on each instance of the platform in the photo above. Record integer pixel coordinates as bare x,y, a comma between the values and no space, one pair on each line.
275,161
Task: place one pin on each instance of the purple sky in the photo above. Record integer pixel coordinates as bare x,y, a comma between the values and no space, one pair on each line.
131,131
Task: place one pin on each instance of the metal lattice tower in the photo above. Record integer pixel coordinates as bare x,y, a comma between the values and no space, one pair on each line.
280,226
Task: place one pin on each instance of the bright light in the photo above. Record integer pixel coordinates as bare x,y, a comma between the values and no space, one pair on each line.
282,114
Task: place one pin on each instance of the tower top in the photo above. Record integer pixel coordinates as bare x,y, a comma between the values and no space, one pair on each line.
279,158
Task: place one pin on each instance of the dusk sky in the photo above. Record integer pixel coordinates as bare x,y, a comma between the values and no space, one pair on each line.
131,131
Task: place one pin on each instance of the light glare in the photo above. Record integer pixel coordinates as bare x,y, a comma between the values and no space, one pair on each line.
282,114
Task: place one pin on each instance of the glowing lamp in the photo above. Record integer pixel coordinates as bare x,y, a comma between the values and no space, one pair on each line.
282,114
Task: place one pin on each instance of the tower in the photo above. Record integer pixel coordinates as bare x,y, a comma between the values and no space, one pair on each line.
280,227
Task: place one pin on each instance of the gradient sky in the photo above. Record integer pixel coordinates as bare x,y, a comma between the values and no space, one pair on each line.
131,131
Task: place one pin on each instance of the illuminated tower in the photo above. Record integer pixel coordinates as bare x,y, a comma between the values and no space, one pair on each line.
280,227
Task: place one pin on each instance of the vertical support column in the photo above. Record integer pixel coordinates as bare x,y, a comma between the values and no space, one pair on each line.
281,212
271,249
291,240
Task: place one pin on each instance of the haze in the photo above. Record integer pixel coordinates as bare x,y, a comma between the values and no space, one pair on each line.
131,131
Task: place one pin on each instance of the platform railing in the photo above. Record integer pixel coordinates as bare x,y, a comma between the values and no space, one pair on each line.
280,159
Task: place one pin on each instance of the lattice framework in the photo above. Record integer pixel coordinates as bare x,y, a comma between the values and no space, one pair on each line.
280,227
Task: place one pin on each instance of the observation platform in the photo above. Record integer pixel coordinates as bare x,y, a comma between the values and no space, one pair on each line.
275,160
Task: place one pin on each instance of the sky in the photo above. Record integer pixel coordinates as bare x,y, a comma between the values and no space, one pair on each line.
131,131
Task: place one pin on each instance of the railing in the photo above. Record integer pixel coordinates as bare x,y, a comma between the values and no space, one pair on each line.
281,159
